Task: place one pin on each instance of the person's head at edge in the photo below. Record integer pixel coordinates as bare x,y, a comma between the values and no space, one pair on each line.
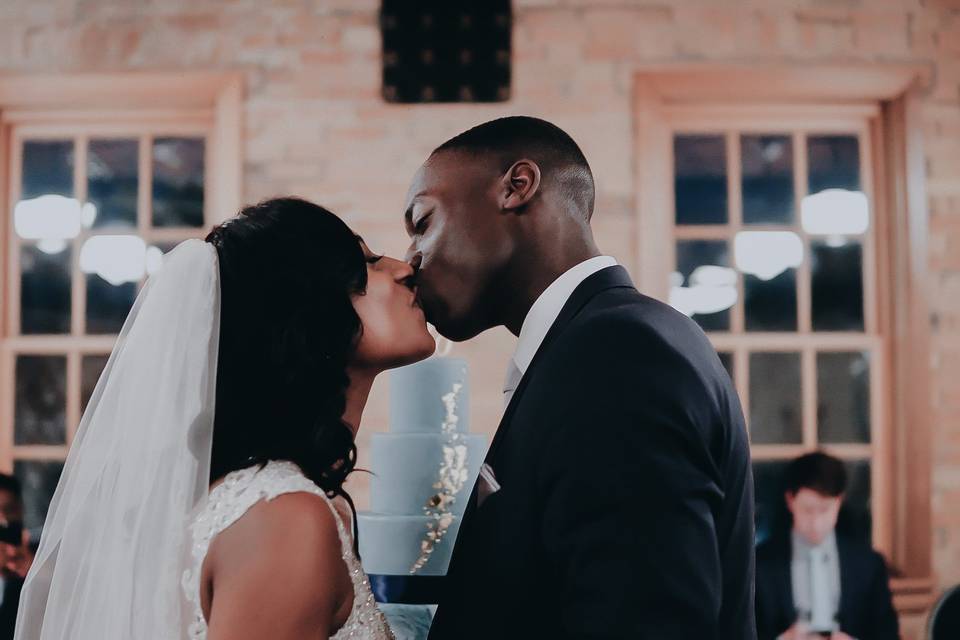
14,552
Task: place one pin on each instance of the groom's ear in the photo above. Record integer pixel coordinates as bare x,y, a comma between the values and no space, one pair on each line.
519,185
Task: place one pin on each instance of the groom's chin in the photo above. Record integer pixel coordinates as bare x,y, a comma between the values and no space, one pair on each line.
452,326
453,330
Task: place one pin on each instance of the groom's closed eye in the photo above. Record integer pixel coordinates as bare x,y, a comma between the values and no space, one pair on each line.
421,225
416,225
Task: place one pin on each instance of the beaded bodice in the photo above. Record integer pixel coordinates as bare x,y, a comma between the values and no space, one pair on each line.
231,499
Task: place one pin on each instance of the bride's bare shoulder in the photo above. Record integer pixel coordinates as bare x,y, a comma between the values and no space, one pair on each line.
298,524
284,556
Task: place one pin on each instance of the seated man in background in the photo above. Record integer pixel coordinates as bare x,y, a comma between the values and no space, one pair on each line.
813,582
14,561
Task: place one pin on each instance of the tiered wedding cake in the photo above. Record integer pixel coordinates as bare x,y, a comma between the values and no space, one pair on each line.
423,471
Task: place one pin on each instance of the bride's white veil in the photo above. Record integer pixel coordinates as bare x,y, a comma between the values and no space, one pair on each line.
115,541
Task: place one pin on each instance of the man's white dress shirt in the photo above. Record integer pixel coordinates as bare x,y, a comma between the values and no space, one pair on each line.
543,314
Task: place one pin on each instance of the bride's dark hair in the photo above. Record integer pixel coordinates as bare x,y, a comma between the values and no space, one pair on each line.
288,269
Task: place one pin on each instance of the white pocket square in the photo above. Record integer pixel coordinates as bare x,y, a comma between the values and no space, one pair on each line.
487,484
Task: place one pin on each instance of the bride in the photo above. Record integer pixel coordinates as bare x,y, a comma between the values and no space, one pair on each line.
203,495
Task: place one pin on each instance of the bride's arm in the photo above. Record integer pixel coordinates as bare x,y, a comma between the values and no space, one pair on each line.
278,573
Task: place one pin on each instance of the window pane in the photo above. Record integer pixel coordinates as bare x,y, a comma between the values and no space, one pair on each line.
709,286
856,516
40,406
700,179
44,291
767,179
112,168
771,513
843,397
108,304
834,163
39,481
90,369
47,168
837,286
178,182
771,305
775,409
726,359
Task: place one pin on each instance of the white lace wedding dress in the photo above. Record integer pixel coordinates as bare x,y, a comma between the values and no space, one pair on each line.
229,500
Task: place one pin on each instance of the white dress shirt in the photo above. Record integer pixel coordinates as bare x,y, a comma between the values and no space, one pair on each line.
543,314
815,577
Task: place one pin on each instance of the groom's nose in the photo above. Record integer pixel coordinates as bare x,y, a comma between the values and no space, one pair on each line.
414,259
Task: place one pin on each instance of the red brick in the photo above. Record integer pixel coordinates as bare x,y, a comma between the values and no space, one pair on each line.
884,34
618,34
824,31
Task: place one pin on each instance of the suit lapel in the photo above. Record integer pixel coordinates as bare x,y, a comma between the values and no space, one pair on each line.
847,579
785,578
608,278
464,550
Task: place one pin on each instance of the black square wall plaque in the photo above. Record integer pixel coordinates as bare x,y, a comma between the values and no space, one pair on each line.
450,51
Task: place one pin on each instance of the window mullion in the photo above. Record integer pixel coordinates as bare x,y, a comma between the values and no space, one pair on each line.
144,187
735,223
73,394
808,391
7,392
78,307
800,178
13,271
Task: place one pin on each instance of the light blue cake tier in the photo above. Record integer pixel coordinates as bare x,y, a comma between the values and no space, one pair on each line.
416,395
406,466
390,545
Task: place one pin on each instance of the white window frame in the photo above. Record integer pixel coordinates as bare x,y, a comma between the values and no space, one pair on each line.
83,106
879,102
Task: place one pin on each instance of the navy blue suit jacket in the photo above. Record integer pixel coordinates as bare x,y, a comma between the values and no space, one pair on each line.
626,500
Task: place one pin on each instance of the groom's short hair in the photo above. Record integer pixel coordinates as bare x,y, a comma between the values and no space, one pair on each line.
510,139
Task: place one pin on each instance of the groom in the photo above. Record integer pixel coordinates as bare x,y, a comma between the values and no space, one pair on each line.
617,500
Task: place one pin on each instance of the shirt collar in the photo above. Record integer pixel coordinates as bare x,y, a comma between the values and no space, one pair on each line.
547,307
802,548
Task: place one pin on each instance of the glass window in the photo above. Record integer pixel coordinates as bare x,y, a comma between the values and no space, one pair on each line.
39,480
41,400
837,285
700,179
767,174
45,286
709,285
774,263
178,170
112,182
843,393
82,258
776,411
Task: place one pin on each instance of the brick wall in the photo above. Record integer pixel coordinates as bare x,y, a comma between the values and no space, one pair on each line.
316,127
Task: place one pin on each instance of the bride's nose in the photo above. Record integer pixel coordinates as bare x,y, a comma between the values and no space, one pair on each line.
400,270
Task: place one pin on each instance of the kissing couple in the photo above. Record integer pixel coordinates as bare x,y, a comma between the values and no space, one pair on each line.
203,496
